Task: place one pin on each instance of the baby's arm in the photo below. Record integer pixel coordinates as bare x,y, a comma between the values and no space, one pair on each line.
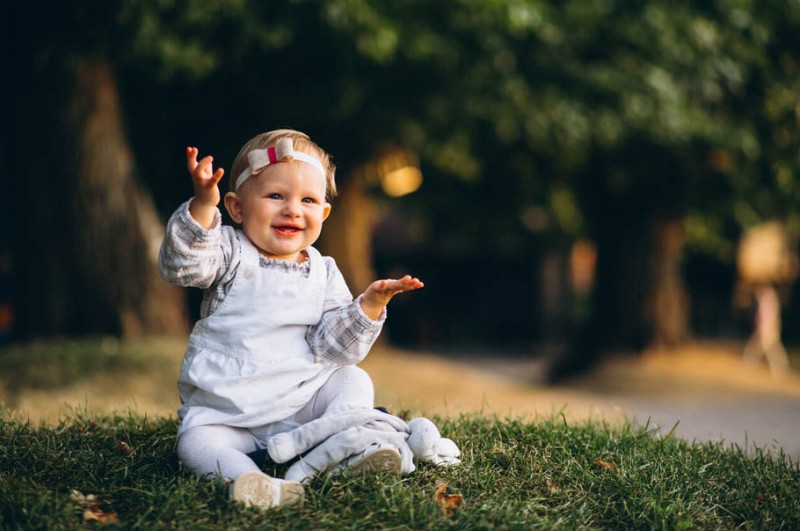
345,333
194,251
193,256
380,292
203,207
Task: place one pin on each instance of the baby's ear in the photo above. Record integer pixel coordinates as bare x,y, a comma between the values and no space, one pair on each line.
234,207
326,211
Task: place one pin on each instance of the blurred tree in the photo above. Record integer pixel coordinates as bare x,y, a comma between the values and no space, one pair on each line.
640,125
87,231
634,124
700,95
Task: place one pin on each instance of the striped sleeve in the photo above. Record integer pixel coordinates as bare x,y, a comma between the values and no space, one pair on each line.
192,256
345,334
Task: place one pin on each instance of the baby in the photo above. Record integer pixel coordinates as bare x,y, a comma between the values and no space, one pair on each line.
280,334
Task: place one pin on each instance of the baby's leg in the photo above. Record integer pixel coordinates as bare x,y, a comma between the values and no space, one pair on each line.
219,451
348,388
344,402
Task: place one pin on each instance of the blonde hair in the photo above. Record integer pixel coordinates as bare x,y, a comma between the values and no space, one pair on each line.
301,142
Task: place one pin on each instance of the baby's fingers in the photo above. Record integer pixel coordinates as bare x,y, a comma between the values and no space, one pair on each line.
191,158
217,176
407,283
203,170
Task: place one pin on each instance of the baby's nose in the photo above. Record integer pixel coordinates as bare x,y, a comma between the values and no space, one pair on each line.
292,208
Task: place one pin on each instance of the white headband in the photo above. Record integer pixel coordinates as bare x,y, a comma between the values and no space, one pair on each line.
283,151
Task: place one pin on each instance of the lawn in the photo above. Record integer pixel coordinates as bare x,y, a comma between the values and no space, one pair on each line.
108,461
516,474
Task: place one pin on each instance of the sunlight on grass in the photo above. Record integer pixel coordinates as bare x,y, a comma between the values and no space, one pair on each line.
46,379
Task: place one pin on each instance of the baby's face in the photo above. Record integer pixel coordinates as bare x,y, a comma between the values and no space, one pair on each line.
283,208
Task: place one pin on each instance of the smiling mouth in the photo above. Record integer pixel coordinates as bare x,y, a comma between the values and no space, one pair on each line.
287,230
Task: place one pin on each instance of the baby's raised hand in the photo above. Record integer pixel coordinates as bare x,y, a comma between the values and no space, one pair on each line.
204,178
380,292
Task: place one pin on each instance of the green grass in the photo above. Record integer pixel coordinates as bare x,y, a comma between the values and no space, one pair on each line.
515,475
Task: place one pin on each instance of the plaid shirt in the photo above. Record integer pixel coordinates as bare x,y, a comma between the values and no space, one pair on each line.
192,256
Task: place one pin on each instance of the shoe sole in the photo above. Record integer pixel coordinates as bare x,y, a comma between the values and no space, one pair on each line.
383,460
255,489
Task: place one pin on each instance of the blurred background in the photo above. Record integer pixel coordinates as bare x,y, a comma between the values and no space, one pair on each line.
572,180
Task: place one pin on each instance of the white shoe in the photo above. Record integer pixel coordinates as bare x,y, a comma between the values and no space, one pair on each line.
256,489
378,460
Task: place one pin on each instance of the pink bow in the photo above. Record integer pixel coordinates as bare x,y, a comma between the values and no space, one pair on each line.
283,151
258,159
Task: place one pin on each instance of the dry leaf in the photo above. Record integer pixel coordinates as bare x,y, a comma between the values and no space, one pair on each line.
605,465
95,514
765,497
448,503
552,488
123,447
92,511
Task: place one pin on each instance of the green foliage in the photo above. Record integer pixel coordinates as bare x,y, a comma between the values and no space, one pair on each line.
535,122
538,96
515,475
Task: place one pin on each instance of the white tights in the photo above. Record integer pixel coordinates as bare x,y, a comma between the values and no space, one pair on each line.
221,451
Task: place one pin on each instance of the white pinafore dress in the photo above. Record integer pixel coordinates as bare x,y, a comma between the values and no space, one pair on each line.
249,364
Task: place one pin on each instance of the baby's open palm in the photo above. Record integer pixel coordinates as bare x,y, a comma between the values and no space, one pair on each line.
379,293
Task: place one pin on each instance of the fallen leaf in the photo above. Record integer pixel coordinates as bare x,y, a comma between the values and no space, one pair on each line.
448,503
605,465
97,515
92,511
765,497
552,488
123,447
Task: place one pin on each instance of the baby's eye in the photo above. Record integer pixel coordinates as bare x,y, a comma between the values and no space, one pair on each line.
309,200
275,196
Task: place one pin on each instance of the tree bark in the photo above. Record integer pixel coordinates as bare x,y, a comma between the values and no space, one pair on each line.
94,232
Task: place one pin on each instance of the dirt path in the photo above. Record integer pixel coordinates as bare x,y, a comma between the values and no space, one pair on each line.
428,384
703,390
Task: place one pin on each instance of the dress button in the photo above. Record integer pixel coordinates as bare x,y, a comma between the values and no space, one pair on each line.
248,274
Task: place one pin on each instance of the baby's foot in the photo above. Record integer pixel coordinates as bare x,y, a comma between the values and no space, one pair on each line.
256,489
375,459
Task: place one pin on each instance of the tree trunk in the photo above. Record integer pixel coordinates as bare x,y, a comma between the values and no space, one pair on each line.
94,232
347,235
633,199
667,301
639,297
617,318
